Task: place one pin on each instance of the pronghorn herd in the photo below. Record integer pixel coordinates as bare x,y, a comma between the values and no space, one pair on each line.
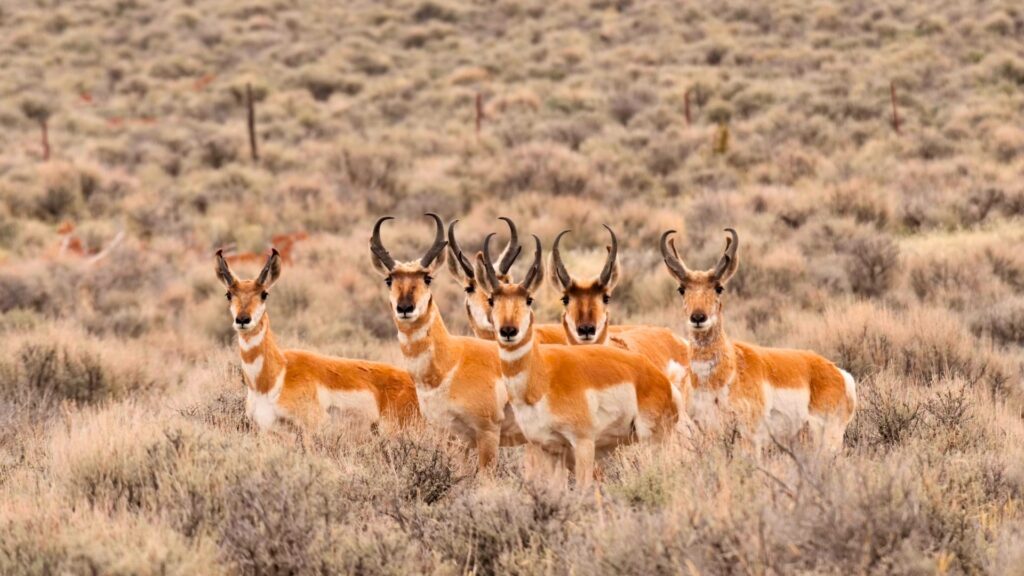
569,391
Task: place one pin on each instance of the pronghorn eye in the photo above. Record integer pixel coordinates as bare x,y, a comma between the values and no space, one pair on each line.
719,289
529,301
682,289
470,289
427,280
228,295
490,302
565,300
388,281
606,298
264,295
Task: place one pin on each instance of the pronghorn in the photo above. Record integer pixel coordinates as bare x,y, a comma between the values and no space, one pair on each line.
572,401
772,392
457,378
477,309
300,386
586,318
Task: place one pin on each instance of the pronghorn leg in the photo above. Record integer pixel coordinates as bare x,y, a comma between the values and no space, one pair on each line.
557,469
536,466
487,442
583,456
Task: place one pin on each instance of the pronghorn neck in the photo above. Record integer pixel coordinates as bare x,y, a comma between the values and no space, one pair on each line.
521,367
712,358
262,360
427,347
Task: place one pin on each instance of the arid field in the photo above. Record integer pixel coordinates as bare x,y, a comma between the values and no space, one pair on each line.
124,447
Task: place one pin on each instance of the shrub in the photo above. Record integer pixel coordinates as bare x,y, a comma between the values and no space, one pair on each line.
1003,322
46,369
922,345
873,263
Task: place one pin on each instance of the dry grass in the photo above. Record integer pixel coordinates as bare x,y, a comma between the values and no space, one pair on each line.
123,445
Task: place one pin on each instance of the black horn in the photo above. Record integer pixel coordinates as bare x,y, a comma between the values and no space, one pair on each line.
492,276
512,250
378,248
439,242
675,265
464,263
727,263
556,259
535,268
609,265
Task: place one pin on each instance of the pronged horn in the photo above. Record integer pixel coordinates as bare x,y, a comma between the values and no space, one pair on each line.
272,268
512,250
223,270
535,268
464,262
492,276
377,248
609,265
671,260
556,259
439,242
728,258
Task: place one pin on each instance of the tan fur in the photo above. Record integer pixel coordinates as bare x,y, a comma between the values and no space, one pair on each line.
468,366
745,373
552,388
296,396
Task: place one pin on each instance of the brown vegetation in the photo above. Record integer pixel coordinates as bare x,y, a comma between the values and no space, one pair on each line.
123,445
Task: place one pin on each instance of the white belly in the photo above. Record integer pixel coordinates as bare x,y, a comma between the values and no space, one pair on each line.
360,404
786,409
614,414
539,426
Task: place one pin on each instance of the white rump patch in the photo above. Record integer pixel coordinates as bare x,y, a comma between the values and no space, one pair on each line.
357,403
851,386
676,372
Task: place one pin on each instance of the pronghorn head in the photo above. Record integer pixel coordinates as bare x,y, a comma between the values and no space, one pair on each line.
408,282
702,290
586,301
476,299
247,299
511,311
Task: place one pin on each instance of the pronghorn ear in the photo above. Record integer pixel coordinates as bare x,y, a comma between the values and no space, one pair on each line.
480,271
272,271
224,274
616,272
453,266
